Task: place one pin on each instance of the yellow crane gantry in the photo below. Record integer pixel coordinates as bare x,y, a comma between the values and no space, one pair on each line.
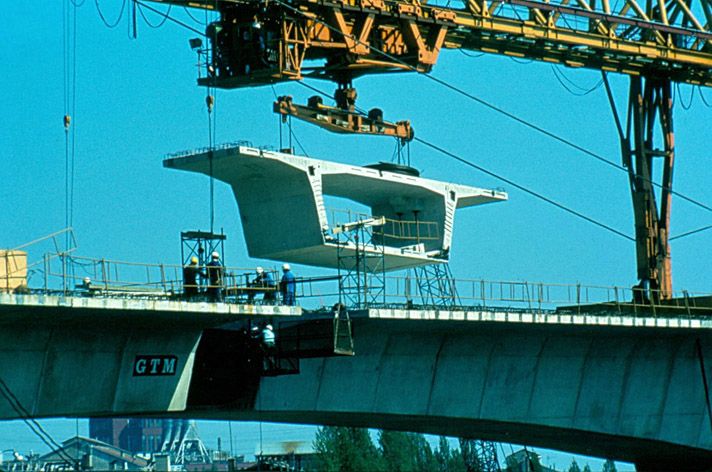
257,42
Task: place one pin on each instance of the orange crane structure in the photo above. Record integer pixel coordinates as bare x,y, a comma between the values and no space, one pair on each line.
655,43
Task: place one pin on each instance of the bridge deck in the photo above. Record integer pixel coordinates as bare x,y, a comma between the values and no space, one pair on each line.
583,318
210,312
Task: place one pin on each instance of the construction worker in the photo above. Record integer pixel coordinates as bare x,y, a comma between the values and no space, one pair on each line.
263,280
268,337
288,286
191,272
215,278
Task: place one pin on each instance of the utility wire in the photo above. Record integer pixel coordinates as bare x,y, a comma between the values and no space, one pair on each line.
682,102
161,23
695,231
560,77
31,423
523,189
190,15
167,16
702,96
506,180
103,18
493,107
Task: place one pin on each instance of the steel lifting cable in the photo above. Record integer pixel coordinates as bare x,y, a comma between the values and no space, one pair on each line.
210,103
492,106
70,92
505,180
291,132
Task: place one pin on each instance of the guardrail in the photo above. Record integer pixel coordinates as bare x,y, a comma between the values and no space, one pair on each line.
65,273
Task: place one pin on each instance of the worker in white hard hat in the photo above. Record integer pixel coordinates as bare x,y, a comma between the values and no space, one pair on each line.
191,272
263,283
86,285
268,337
288,286
215,278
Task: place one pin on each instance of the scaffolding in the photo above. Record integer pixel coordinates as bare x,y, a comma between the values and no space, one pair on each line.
201,244
436,286
361,264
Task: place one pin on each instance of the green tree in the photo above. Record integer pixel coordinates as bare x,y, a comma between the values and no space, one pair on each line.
341,449
406,452
586,468
574,467
609,466
447,459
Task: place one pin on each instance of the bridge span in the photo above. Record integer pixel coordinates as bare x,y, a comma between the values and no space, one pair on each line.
631,387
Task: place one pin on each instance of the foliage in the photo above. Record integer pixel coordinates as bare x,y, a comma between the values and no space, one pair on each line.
574,467
405,452
341,449
447,459
609,466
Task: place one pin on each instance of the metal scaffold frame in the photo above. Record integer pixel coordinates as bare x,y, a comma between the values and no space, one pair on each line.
436,286
362,272
201,244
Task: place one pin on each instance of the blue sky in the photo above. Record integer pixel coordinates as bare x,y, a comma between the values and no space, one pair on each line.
137,100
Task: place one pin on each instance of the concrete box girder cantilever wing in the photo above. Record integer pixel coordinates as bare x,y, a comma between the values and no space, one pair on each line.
281,202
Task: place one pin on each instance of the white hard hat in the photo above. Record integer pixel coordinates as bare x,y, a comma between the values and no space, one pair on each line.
259,270
285,267
215,255
269,327
87,280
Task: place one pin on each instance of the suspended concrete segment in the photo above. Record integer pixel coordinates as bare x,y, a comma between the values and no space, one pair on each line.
284,217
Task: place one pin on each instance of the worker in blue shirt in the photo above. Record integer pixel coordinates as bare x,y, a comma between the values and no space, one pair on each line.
288,286
264,283
215,278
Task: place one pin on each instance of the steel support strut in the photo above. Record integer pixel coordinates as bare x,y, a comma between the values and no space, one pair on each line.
650,110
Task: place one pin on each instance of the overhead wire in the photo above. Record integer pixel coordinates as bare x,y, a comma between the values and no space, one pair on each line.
524,189
682,102
170,18
465,53
161,23
32,423
561,77
497,109
103,18
702,96
694,231
190,15
510,182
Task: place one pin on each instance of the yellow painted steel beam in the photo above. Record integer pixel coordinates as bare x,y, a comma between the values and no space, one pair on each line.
630,41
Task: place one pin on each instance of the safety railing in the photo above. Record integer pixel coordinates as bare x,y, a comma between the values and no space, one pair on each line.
471,294
15,271
102,277
403,230
65,273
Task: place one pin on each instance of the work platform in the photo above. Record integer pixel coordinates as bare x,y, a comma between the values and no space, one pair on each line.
210,313
281,198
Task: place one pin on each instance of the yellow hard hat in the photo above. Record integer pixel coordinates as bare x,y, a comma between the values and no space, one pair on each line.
193,260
